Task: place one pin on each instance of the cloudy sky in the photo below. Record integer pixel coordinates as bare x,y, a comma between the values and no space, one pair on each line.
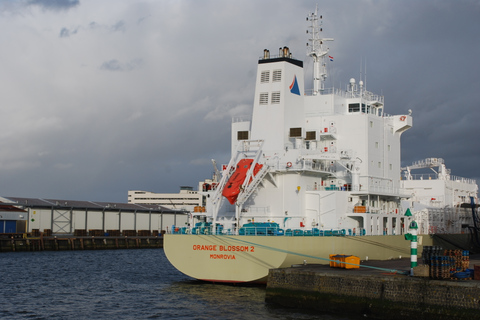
101,97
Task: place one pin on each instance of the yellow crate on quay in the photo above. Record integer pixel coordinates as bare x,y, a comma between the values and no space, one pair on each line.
332,257
355,262
344,261
337,260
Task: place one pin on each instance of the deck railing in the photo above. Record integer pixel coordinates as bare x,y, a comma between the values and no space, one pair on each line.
434,176
267,231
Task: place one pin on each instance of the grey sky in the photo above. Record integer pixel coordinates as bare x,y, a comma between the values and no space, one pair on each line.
102,97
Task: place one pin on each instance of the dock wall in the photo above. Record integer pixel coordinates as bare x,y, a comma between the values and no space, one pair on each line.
53,243
374,296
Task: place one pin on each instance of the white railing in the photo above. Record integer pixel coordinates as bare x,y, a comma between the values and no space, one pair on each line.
324,92
242,119
266,231
367,95
303,165
434,176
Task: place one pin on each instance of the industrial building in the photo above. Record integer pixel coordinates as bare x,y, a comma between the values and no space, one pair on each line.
187,199
26,215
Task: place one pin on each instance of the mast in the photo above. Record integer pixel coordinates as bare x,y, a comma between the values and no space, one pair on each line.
318,51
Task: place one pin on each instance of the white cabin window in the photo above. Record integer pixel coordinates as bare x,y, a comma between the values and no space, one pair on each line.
388,147
379,164
276,97
376,145
264,98
265,77
277,75
371,124
390,166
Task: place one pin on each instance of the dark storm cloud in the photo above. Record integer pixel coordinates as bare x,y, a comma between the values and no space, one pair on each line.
54,4
142,19
115,65
112,65
65,33
119,26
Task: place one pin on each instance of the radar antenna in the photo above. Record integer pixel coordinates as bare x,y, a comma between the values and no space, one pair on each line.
318,51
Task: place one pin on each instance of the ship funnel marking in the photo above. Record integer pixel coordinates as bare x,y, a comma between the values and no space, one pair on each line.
294,86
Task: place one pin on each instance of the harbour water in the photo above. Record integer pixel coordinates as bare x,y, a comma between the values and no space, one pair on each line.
123,284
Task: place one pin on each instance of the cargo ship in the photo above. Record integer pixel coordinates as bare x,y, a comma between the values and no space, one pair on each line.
313,172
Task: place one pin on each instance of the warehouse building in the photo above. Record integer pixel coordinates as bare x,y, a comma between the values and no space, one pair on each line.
26,215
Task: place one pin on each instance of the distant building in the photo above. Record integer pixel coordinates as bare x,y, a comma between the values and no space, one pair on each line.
12,219
187,199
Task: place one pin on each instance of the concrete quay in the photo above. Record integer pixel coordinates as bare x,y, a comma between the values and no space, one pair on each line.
375,293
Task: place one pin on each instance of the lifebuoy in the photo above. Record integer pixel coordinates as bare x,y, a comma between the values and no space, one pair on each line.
289,164
402,118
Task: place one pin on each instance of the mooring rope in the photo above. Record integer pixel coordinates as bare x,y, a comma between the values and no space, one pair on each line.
379,244
314,257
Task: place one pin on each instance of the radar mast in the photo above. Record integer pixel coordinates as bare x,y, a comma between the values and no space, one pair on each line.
318,51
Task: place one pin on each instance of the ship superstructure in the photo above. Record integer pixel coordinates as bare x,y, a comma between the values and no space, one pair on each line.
440,201
330,157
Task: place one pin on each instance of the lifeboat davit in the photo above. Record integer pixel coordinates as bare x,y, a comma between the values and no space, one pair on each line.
232,188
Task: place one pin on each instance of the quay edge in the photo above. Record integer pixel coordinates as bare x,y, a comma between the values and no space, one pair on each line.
53,243
373,294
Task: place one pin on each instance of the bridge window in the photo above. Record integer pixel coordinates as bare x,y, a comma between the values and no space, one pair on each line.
295,132
242,135
354,107
311,135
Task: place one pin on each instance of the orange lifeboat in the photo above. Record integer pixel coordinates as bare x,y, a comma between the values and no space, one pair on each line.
232,188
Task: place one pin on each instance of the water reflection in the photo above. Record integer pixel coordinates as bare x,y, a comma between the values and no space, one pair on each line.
227,301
